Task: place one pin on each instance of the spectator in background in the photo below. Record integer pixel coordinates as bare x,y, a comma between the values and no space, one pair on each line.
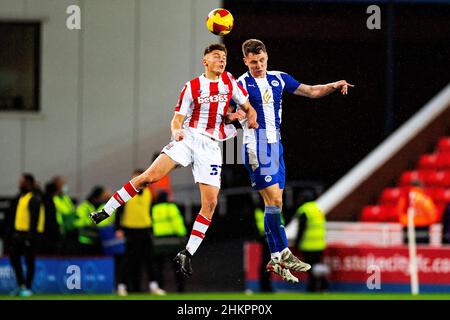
169,232
133,221
25,221
51,236
162,185
88,232
311,241
65,216
425,212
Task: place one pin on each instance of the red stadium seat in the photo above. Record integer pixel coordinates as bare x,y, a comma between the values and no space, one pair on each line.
390,196
391,213
444,144
441,195
443,161
435,179
428,178
440,207
433,192
408,176
372,214
443,179
428,162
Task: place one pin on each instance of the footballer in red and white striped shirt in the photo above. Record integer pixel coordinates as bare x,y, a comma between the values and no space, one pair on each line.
205,103
197,126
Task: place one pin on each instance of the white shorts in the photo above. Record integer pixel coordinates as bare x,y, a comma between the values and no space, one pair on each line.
201,152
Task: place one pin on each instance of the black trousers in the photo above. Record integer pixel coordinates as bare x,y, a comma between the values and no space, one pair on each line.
164,254
315,284
265,276
138,253
23,244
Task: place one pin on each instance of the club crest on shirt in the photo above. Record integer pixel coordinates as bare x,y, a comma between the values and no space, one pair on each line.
275,83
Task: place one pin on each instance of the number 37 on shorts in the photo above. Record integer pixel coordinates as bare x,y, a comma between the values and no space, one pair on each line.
215,169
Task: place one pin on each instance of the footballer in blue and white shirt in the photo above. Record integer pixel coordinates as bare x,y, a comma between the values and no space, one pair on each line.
263,150
262,147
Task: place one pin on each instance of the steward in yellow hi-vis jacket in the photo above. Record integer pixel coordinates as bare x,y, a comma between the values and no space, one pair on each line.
311,241
88,232
66,216
25,221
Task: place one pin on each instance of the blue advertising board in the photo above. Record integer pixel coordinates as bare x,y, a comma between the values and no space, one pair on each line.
64,275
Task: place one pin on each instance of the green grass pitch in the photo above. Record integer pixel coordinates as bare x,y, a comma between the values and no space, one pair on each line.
238,296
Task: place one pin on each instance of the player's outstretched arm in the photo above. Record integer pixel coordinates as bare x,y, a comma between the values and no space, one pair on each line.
251,115
321,90
176,126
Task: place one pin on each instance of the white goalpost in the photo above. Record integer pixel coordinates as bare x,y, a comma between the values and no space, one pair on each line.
413,270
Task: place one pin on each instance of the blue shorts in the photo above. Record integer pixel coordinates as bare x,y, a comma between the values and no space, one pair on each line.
264,163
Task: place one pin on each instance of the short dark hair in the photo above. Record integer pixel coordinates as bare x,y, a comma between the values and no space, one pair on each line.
254,46
96,192
29,178
215,46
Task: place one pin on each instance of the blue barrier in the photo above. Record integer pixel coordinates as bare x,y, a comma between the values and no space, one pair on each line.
111,244
64,275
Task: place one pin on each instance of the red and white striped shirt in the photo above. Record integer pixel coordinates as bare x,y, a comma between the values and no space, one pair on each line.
205,104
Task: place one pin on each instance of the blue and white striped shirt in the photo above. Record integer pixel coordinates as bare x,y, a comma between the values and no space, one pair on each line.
266,96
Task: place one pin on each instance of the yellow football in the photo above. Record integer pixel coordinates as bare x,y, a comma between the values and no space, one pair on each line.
219,21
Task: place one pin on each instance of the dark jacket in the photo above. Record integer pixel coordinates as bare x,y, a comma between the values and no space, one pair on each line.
34,207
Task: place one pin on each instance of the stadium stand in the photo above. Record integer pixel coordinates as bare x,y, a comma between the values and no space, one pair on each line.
432,169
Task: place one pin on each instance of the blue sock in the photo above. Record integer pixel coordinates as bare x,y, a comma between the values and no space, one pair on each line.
272,221
269,237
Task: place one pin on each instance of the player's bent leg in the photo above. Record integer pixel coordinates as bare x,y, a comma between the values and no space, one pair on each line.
202,221
157,170
273,196
273,225
208,194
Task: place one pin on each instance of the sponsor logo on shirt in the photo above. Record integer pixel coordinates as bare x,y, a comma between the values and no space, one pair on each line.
267,96
214,98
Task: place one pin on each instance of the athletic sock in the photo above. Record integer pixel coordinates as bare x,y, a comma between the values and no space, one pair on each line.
120,197
272,218
270,241
199,228
276,256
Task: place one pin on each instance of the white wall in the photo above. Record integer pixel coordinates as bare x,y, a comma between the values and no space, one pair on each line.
107,91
